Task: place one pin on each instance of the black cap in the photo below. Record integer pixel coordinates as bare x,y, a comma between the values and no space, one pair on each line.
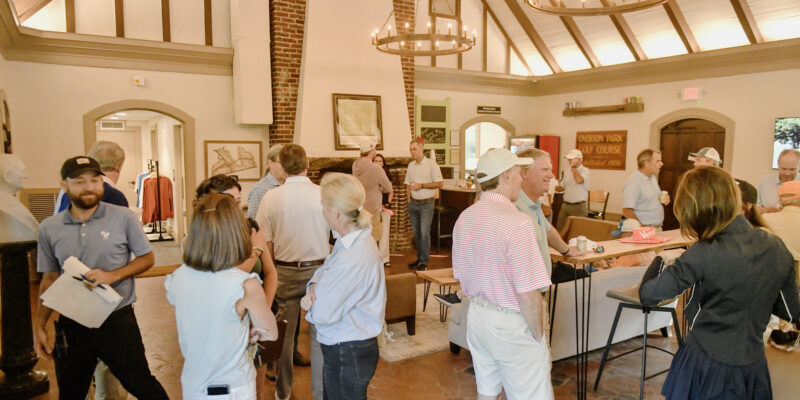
749,192
75,166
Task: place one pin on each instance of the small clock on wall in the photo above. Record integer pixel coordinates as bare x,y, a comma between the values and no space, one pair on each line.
445,8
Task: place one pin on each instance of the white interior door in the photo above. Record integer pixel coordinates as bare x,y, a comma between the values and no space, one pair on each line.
131,143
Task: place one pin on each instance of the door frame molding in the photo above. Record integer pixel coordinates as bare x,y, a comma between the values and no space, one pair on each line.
700,113
189,162
462,130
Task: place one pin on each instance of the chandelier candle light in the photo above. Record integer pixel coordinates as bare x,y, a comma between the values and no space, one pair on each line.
408,43
577,8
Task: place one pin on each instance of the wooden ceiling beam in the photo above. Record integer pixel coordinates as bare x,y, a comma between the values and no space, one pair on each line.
537,40
579,39
119,18
69,13
26,9
208,23
627,35
166,35
747,20
681,26
505,35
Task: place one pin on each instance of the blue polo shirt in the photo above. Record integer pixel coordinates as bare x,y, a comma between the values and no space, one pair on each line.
105,241
533,209
641,193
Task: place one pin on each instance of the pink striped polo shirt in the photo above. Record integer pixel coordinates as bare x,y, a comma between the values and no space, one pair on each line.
495,253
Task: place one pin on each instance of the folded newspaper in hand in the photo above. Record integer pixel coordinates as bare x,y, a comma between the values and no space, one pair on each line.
72,296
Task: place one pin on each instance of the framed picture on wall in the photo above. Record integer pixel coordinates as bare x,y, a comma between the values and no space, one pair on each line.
433,135
233,157
356,118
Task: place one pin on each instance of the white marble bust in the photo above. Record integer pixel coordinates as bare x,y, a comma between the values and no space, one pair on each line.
18,224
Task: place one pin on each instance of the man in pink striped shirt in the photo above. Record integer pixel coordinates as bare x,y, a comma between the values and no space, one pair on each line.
498,262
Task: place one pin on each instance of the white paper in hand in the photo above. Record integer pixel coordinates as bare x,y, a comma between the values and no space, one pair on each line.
70,297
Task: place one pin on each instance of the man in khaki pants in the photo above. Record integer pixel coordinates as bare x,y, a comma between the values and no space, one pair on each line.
375,183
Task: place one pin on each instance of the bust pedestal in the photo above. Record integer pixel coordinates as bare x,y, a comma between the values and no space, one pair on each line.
18,358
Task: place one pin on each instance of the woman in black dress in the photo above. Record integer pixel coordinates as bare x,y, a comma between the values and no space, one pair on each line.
739,275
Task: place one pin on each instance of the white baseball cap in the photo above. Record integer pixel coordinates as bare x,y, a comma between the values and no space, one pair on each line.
367,145
495,162
574,153
707,152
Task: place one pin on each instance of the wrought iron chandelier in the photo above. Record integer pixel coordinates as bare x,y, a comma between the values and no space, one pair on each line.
406,42
578,8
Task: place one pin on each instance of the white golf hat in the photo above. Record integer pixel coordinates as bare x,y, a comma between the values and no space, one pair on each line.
367,145
707,152
573,154
495,162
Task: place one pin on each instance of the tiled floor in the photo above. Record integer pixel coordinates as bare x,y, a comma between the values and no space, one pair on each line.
436,376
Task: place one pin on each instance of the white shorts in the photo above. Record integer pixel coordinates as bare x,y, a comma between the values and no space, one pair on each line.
505,354
245,392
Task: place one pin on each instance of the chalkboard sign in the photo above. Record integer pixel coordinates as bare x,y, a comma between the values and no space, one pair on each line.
603,149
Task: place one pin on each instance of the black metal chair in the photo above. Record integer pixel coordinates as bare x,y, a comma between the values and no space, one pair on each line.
629,298
438,211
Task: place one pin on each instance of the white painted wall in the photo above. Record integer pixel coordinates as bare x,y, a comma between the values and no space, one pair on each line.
49,102
187,24
753,101
143,19
338,58
95,17
517,110
50,18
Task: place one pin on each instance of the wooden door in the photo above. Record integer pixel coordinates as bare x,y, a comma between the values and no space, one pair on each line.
678,139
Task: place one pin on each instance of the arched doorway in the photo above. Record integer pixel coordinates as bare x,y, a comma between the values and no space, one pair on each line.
479,134
678,139
185,177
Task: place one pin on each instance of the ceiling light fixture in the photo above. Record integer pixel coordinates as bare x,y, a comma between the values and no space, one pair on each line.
405,42
579,8
113,118
122,114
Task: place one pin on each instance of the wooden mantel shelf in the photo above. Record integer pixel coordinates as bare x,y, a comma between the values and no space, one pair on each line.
619,108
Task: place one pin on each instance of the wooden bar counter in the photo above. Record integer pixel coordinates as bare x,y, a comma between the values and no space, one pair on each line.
452,201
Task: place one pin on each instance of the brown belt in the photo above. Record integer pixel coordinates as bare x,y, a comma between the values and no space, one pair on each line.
422,200
300,264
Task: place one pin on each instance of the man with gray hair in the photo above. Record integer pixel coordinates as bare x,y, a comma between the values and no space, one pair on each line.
706,156
768,188
273,178
110,156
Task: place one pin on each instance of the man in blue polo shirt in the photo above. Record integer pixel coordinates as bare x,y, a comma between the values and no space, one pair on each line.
102,236
641,195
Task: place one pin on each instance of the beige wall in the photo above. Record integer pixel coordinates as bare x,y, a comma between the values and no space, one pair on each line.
49,102
517,110
753,101
338,58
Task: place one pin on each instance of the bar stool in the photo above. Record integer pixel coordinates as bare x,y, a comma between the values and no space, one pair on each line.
438,211
629,298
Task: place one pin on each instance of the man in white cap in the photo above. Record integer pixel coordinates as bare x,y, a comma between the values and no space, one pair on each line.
575,187
500,267
375,183
706,156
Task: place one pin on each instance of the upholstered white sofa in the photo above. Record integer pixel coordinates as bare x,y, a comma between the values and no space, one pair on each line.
601,315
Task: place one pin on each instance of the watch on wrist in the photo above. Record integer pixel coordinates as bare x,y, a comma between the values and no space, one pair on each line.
564,253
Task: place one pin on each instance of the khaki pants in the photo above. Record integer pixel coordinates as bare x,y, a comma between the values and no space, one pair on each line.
377,226
571,210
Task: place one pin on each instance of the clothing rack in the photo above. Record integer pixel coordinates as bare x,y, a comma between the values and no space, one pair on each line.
152,166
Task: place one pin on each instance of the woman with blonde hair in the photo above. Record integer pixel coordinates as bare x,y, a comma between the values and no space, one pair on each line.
739,275
346,297
215,302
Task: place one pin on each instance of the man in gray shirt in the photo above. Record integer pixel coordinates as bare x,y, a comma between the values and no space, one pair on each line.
640,194
102,236
575,187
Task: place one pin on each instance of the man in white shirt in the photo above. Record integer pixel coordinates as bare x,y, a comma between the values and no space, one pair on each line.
297,235
423,178
576,189
768,188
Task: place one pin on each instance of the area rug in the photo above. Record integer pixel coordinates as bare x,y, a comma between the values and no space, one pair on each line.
431,335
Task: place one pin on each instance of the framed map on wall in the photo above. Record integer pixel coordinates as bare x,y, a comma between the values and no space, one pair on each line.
356,118
232,157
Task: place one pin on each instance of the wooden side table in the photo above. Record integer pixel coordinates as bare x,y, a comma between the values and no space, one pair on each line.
442,277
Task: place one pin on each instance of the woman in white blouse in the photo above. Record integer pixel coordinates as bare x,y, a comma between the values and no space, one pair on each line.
346,297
